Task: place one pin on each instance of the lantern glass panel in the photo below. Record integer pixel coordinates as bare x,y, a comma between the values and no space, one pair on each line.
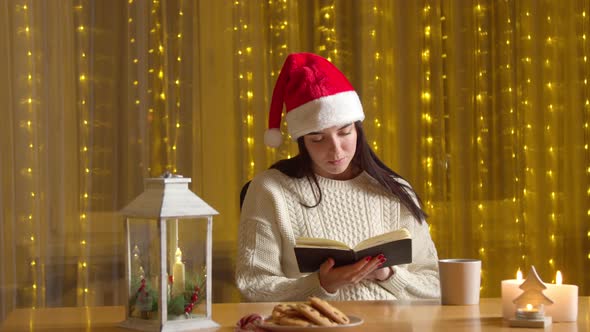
187,267
144,262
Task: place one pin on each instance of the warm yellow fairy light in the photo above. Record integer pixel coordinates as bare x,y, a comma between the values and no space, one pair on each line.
83,78
29,176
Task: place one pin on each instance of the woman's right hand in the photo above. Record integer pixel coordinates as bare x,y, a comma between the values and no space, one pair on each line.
332,278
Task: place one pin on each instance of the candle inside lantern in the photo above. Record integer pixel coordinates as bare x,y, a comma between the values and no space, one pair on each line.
178,274
510,291
565,298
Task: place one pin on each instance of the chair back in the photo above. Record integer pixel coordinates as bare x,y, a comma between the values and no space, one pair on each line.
243,193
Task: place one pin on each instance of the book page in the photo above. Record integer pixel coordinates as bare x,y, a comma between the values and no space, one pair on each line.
399,234
319,242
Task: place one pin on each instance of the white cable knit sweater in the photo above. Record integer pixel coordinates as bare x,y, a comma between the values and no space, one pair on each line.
350,211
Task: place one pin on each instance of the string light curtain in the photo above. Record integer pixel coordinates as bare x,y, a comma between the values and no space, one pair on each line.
482,105
92,98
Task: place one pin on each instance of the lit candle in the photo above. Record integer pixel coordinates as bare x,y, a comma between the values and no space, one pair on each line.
565,298
510,291
178,274
529,312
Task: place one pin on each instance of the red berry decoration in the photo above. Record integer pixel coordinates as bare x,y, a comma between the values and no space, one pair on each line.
142,287
189,307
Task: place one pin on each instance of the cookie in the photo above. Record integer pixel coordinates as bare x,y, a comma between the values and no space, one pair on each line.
293,321
313,315
281,310
329,310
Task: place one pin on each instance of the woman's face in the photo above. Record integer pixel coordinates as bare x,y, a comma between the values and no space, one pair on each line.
331,151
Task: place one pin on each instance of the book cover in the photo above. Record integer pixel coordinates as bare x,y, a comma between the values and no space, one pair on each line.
396,246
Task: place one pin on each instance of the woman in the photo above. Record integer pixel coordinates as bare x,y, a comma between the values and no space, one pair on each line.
335,188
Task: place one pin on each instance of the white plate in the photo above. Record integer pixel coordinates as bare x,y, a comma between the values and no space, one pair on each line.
354,321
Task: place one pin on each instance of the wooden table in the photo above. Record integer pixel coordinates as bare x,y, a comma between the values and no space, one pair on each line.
398,316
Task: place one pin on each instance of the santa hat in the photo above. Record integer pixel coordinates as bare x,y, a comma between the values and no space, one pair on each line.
316,96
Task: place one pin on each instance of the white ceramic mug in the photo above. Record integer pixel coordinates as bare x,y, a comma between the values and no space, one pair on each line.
460,280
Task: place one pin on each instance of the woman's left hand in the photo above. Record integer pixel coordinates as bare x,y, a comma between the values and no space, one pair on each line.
380,274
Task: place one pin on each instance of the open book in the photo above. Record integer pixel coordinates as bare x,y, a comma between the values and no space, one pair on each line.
396,246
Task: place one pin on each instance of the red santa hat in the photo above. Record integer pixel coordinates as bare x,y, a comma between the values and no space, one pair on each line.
316,96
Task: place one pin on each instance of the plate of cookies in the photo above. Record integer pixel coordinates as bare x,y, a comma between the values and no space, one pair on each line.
316,314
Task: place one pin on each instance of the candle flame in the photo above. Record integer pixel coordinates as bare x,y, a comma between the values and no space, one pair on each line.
518,275
558,278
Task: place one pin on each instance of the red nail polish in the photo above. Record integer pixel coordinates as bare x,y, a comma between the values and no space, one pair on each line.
380,256
368,258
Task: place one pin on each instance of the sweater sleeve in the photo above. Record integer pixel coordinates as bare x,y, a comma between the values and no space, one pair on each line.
419,279
259,272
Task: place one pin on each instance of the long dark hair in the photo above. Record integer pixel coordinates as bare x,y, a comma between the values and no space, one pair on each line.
364,159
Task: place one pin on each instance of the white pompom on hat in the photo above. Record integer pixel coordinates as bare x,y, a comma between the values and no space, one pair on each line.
316,96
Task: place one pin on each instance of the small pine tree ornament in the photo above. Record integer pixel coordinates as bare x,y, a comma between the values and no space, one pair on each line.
530,305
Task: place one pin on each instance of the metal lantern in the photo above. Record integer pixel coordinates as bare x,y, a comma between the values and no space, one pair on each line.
168,265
